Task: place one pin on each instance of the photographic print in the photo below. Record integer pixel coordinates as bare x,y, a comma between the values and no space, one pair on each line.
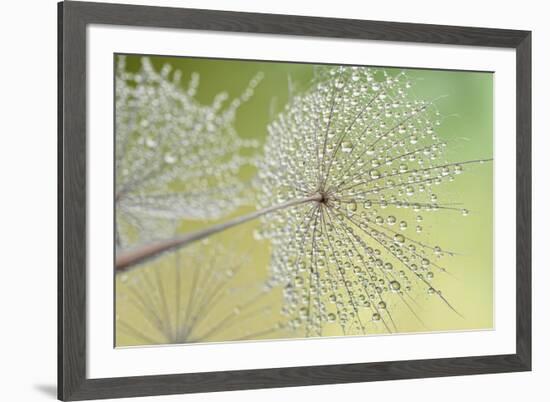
259,200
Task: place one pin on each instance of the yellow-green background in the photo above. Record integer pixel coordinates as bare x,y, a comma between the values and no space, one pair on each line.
465,101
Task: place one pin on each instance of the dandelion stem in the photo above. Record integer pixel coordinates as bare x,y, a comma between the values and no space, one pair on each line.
128,258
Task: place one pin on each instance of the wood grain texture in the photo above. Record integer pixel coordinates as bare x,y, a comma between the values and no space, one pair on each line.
73,17
72,178
523,200
230,21
294,376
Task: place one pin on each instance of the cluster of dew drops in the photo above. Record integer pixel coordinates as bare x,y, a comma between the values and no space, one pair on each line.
359,138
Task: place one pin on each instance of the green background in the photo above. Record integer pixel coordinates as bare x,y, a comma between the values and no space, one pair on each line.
465,100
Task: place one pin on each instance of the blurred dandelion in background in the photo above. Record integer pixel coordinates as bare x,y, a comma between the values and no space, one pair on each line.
197,294
175,157
362,162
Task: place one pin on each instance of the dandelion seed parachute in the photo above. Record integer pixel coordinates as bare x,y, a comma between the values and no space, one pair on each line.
372,153
194,295
175,157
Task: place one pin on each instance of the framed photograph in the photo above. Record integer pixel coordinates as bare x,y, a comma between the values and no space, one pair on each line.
256,201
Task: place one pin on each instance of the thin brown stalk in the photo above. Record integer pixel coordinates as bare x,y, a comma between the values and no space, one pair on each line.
127,259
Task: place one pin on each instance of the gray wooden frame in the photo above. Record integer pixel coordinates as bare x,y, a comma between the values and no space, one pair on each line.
73,18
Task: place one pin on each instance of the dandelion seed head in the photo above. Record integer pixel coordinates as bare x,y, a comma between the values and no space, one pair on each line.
370,155
176,158
194,295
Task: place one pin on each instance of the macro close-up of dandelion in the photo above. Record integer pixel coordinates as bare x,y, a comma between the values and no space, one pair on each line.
357,185
364,161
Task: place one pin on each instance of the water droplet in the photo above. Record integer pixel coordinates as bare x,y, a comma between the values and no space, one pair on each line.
347,147
398,238
299,281
169,158
375,174
391,220
395,286
352,206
